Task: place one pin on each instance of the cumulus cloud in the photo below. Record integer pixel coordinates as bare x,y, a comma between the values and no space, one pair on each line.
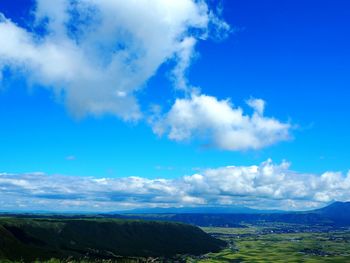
267,185
220,123
96,54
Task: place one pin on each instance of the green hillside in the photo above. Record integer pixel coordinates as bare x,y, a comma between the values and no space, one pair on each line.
30,239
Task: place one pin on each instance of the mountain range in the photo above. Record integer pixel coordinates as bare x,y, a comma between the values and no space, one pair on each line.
337,214
198,210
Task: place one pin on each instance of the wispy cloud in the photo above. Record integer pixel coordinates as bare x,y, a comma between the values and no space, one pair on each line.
267,185
70,158
95,54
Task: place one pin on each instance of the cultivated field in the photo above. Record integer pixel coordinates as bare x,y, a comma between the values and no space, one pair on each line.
280,243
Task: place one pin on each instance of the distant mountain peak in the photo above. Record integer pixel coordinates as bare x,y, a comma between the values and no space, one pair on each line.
336,205
337,211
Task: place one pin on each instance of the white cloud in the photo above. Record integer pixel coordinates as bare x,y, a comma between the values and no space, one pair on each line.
95,54
220,123
267,185
257,104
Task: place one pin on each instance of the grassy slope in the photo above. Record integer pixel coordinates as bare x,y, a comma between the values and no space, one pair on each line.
30,239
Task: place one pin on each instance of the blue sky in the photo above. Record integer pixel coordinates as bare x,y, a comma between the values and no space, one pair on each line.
294,55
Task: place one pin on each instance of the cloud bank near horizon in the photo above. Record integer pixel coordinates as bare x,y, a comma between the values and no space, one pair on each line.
267,185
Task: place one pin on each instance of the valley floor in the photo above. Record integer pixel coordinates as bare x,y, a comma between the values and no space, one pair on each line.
280,243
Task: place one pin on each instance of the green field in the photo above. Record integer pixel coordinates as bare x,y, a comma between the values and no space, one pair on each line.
272,244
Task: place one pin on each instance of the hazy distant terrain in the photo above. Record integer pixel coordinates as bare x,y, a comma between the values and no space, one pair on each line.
336,214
